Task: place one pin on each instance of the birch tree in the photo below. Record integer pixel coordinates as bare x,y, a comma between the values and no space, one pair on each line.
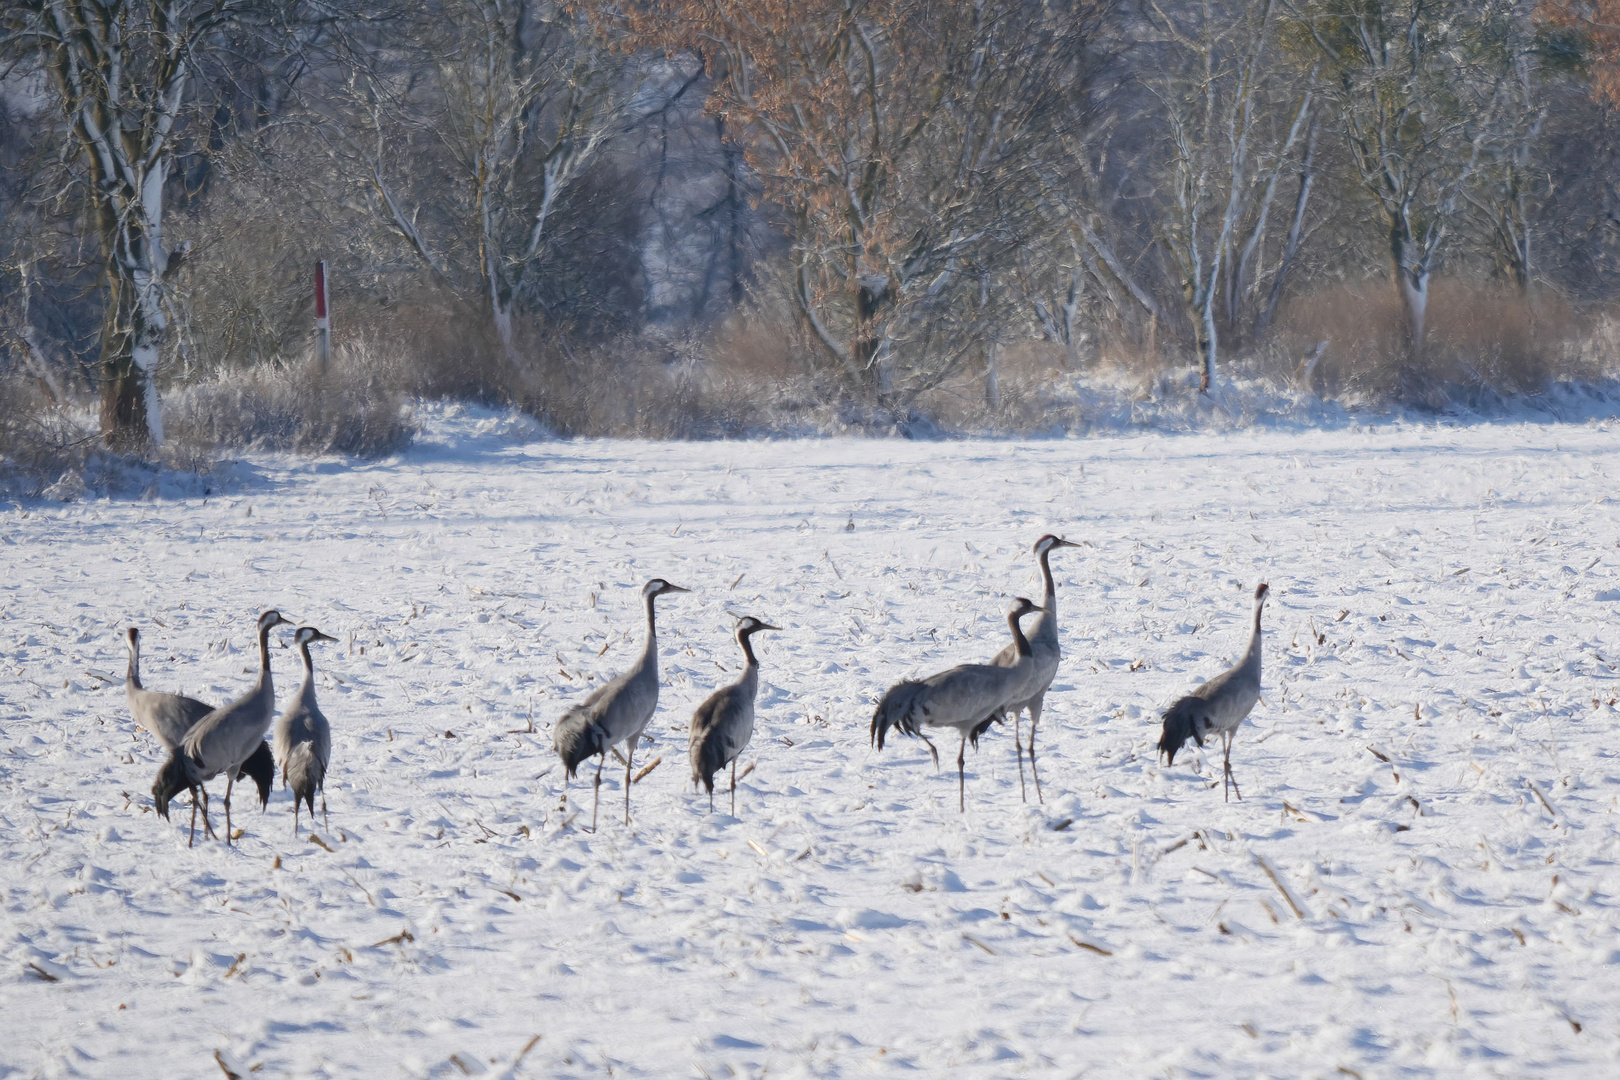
121,72
1231,132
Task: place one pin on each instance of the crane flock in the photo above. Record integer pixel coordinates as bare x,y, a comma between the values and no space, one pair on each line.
203,742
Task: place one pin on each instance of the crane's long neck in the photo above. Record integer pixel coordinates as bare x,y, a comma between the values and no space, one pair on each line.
1251,655
133,678
265,684
748,649
307,691
649,652
1049,600
1019,640
750,675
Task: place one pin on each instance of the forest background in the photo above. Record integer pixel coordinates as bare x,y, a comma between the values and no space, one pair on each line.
709,218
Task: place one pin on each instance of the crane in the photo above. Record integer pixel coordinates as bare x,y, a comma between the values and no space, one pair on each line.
966,699
724,723
222,741
170,716
617,711
1044,649
303,738
1220,705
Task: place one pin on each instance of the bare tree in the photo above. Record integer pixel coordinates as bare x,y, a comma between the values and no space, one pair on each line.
892,136
121,73
1419,102
1231,133
520,99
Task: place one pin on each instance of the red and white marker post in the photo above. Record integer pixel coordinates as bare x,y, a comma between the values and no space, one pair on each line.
323,323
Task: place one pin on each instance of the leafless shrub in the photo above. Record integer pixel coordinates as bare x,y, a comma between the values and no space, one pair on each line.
356,407
41,439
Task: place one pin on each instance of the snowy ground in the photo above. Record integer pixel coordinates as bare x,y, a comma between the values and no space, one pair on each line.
1421,880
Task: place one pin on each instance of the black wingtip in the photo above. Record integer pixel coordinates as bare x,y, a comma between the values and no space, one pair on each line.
983,726
577,738
894,710
1178,728
261,766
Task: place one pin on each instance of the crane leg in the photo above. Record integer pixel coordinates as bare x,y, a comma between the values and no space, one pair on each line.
192,838
711,796
733,787
1034,720
229,780
1018,744
1227,763
325,822
931,751
296,808
630,746
961,777
596,798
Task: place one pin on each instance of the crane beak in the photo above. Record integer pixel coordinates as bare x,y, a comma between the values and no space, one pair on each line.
1065,543
318,636
768,626
672,588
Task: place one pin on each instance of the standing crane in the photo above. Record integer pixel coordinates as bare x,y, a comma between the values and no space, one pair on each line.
724,723
303,737
1044,649
170,716
966,699
617,711
1220,705
222,741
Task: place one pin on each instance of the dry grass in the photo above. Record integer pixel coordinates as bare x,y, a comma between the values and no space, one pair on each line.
1483,342
357,407
745,380
755,376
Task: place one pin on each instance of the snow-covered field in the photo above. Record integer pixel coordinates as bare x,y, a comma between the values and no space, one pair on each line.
1423,878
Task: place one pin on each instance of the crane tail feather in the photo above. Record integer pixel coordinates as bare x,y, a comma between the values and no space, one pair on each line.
1178,728
898,709
707,759
261,766
577,738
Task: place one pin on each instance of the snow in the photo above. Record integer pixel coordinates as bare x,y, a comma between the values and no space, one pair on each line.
1420,880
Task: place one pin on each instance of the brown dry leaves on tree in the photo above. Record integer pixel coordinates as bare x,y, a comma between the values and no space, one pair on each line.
1598,22
875,127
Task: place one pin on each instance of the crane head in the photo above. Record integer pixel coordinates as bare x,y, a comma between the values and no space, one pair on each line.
271,618
1022,606
1262,593
658,587
307,634
749,625
134,635
171,780
1048,542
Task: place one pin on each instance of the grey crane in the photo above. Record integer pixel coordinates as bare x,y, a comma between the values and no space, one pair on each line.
303,738
1045,652
966,698
617,711
1220,705
170,716
724,723
222,741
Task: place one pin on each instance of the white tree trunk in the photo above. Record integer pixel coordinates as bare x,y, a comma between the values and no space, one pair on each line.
1414,289
1207,342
